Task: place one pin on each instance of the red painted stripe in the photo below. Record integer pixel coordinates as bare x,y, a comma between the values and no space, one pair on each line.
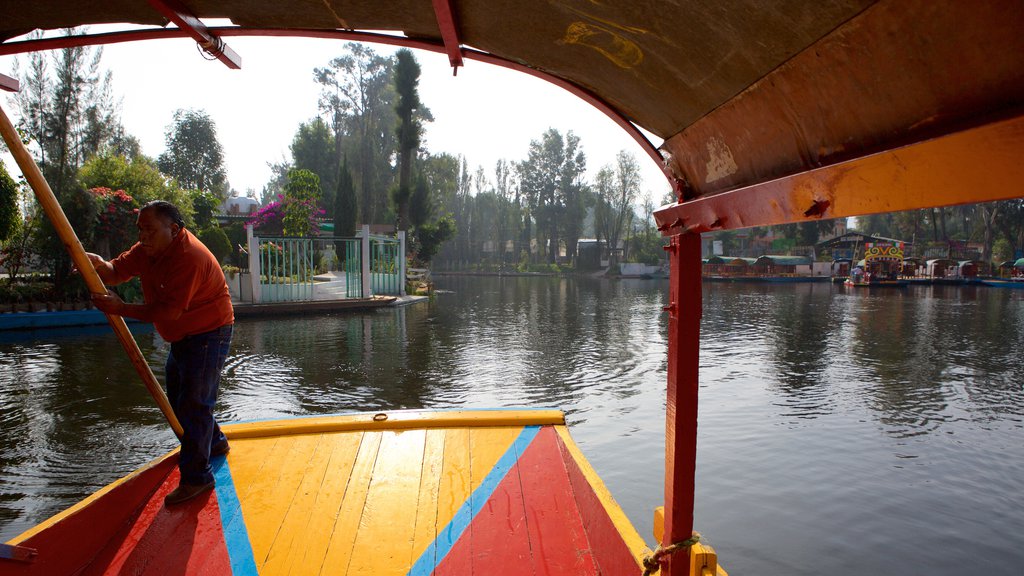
557,537
71,544
500,538
610,551
185,539
530,524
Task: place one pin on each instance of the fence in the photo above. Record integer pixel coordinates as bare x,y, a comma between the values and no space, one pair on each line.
386,265
285,269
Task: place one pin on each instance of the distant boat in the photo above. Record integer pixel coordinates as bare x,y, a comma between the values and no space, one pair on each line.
880,267
876,283
1002,283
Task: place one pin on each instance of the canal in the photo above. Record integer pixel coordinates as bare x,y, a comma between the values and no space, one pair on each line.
841,432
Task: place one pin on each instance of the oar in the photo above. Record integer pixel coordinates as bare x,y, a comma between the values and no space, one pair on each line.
67,235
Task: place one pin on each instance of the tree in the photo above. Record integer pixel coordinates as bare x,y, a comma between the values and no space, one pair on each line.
10,216
431,236
216,240
420,208
551,179
301,198
617,188
194,157
356,95
572,190
409,130
313,149
67,113
345,207
204,206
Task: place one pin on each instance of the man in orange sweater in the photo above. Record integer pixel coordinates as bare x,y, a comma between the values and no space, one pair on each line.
187,301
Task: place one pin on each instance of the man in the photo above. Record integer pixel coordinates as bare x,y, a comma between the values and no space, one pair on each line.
187,301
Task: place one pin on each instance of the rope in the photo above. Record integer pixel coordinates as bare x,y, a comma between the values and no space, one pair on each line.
211,49
652,563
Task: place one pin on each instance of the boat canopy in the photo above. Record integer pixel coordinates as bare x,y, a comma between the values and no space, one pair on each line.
952,108
714,260
784,260
1019,263
740,261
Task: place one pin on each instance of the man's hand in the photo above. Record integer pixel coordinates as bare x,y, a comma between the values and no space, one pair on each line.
110,302
96,260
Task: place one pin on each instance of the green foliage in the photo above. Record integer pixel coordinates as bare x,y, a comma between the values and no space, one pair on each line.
138,176
1002,250
12,292
130,291
236,237
420,208
313,149
357,95
409,129
10,216
648,248
345,209
204,206
82,212
429,237
194,157
217,241
301,196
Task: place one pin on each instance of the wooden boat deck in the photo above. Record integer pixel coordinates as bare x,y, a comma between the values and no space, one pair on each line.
450,493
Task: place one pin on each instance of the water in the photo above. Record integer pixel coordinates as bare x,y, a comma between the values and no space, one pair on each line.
863,432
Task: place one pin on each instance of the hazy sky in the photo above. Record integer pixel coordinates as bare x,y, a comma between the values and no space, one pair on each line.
485,113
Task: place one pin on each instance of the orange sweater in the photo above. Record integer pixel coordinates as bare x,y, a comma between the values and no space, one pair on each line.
185,277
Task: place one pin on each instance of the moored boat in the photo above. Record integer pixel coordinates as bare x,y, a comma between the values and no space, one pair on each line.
1002,283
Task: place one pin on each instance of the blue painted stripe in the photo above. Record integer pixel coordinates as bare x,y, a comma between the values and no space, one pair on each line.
450,534
236,537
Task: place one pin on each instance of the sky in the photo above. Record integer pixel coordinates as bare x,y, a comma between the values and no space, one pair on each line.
485,113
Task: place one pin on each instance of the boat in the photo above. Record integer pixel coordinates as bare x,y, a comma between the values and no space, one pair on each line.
404,492
880,268
1002,283
809,111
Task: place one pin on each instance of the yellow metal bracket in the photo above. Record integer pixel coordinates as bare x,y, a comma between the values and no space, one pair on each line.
703,559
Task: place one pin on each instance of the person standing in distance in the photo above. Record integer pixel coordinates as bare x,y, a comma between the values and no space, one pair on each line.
187,300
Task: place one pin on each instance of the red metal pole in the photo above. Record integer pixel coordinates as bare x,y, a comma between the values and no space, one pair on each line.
681,406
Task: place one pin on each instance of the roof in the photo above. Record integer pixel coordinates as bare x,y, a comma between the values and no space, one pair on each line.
738,261
768,115
1019,263
857,237
786,260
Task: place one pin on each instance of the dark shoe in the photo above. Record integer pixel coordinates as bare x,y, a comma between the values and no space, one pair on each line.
220,449
185,492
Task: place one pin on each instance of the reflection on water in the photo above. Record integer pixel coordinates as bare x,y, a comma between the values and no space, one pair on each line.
841,432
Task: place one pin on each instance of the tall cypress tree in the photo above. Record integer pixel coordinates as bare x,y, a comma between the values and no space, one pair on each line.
345,208
407,78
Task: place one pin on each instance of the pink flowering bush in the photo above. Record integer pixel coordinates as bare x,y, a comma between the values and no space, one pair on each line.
300,214
116,219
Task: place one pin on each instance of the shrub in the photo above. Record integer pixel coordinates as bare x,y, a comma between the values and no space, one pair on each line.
217,241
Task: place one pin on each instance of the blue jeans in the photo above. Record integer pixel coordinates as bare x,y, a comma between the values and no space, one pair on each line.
193,377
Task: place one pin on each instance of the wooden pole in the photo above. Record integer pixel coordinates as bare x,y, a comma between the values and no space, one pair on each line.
681,404
67,235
